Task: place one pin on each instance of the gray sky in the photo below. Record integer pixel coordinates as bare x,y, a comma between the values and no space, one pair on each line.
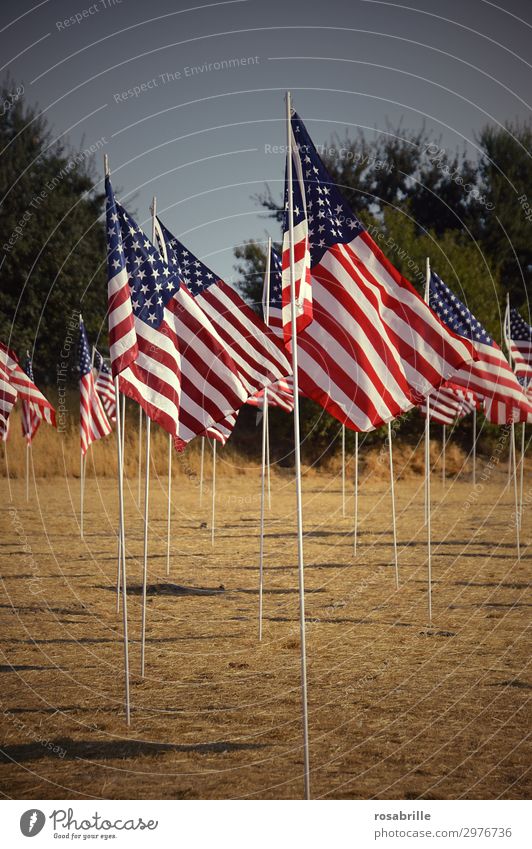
199,140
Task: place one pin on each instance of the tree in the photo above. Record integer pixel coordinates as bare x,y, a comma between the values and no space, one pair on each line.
53,248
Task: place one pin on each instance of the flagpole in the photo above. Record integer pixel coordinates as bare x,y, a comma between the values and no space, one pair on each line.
443,456
516,495
146,503
474,446
122,544
297,452
168,516
262,494
201,470
28,449
427,470
343,471
266,314
121,531
140,456
355,534
213,505
521,470
392,492
268,457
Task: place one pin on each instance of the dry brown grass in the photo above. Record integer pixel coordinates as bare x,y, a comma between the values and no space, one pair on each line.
398,709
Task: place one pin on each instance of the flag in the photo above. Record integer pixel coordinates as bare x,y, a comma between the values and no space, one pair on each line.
490,376
169,356
373,348
8,393
31,418
302,252
518,338
104,385
258,357
447,404
280,394
28,391
93,423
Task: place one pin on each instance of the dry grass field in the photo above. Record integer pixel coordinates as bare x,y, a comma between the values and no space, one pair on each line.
397,708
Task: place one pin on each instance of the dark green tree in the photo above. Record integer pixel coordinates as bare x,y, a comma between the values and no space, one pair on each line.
53,238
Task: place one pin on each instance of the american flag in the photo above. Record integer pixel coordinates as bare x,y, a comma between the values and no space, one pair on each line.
259,357
373,348
518,338
301,171
24,386
448,403
169,356
490,376
104,385
31,417
93,423
8,393
280,394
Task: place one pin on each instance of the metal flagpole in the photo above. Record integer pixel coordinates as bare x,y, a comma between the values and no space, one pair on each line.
427,470
343,471
297,452
266,314
262,494
213,489
267,413
516,494
28,449
120,423
355,533
82,491
140,455
521,471
122,544
146,503
201,471
443,456
168,516
392,492
474,446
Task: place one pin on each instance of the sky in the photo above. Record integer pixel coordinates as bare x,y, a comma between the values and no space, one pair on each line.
187,98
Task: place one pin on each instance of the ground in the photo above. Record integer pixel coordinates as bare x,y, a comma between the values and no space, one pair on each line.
398,707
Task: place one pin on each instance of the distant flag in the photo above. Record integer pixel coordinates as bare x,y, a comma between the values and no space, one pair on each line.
22,383
490,376
447,404
168,354
518,338
8,393
281,393
104,385
93,423
258,356
373,348
31,417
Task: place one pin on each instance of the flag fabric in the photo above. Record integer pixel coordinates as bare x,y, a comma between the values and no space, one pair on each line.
275,306
448,403
302,253
373,349
93,423
169,356
257,356
518,338
28,391
490,376
280,394
104,385
31,417
8,393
